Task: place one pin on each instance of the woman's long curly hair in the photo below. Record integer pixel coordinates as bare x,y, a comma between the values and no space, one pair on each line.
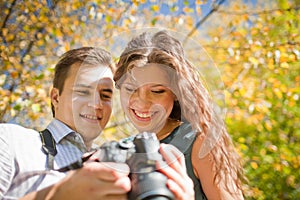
194,102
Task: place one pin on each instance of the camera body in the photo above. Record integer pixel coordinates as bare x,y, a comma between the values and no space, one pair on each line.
141,153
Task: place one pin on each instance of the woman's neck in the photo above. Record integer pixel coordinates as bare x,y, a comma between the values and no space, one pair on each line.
168,128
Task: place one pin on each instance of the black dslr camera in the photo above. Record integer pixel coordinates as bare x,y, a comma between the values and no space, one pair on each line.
140,153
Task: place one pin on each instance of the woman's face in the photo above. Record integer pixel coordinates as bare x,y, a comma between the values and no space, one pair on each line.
147,98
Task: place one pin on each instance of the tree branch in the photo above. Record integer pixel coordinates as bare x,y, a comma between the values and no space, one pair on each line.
6,19
40,30
215,8
258,12
8,15
27,51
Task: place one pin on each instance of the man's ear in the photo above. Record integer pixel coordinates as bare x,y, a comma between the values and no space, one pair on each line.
54,94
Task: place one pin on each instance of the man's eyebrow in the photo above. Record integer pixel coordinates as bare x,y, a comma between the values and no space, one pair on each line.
83,85
107,90
90,87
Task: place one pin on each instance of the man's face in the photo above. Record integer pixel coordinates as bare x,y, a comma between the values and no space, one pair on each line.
85,103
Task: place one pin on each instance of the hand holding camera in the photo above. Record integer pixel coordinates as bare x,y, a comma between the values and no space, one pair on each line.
141,153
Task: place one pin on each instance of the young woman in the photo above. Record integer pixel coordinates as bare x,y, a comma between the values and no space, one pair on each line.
161,93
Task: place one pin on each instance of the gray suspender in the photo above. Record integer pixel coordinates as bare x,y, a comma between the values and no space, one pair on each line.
49,147
184,138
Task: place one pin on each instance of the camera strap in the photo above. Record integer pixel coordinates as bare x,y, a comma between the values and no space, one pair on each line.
48,146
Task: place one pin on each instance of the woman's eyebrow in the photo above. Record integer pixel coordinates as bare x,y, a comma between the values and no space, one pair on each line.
128,83
158,85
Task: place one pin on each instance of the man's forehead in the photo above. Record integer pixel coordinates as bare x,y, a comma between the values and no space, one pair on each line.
90,73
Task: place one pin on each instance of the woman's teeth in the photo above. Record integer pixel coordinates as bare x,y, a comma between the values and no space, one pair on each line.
143,115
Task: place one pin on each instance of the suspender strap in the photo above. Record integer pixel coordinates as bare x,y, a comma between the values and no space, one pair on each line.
183,138
49,147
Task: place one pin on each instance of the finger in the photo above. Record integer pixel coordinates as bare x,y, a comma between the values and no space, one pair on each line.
173,187
169,172
106,171
116,197
181,186
173,157
118,187
181,194
178,180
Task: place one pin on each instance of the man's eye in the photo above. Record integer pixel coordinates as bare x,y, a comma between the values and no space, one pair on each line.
106,96
82,92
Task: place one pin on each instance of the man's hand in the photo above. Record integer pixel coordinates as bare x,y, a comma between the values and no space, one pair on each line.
94,180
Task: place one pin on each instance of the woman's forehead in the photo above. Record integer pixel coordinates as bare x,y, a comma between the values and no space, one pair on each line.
151,73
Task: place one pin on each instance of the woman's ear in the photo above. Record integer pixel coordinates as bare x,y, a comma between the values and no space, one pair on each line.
54,94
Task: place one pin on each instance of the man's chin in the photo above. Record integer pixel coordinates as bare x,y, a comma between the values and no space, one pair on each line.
91,131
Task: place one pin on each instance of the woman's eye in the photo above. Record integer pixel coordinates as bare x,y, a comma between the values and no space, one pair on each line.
129,89
158,91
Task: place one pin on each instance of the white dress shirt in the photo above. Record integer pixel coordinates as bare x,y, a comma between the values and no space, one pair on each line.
23,164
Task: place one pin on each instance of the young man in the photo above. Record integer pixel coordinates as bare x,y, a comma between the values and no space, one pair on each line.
81,100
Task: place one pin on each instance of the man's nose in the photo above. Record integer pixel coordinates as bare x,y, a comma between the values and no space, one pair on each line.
96,102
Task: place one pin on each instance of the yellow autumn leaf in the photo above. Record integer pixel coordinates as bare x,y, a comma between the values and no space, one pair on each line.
270,64
268,125
198,10
33,18
187,10
278,93
155,8
253,60
272,148
263,152
189,21
4,32
36,108
242,91
199,2
241,140
135,2
291,180
12,112
277,167
244,147
2,79
126,22
254,165
284,65
40,43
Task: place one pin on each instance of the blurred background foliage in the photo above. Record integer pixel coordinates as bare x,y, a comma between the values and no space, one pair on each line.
255,45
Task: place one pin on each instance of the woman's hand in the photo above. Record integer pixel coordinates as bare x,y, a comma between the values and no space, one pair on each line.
175,169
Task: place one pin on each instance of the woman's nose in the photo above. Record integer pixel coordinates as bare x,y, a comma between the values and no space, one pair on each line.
143,95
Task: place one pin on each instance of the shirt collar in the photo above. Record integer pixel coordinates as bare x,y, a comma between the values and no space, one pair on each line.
59,130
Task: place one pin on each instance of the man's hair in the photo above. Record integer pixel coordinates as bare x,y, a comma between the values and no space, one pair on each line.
83,55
